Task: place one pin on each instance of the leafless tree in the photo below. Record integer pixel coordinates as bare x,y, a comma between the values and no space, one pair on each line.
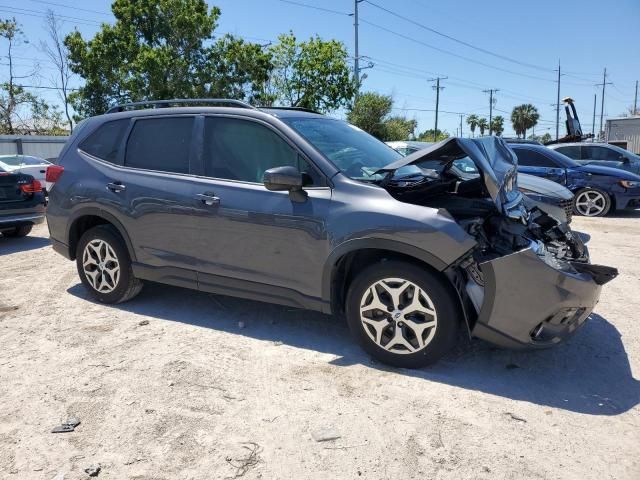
58,54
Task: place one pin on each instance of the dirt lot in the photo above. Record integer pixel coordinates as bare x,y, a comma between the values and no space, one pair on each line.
178,384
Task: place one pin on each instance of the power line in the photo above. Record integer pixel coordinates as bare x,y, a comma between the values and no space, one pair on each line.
73,7
41,14
322,9
457,40
406,37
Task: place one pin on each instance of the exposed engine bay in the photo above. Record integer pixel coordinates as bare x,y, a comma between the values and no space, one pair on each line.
490,209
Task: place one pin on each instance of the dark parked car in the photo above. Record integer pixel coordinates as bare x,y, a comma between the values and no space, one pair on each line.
598,190
292,207
602,154
21,204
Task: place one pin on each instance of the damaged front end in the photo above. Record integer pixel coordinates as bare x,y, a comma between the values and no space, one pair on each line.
528,281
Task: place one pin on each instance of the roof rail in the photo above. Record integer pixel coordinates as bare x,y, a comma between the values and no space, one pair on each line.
300,109
178,101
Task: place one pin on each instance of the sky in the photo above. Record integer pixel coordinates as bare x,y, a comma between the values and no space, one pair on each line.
510,46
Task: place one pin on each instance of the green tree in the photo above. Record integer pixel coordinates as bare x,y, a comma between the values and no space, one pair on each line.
314,74
546,138
22,112
482,125
371,112
159,49
497,125
524,117
472,121
428,135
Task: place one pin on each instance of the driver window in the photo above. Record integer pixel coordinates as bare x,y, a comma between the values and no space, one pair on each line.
243,150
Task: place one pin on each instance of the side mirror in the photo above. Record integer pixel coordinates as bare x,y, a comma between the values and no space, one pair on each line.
285,179
624,159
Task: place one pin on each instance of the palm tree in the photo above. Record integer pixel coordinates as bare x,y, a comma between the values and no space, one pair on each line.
472,121
497,125
523,117
483,125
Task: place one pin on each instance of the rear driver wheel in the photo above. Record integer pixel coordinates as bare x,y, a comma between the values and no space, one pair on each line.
104,266
402,315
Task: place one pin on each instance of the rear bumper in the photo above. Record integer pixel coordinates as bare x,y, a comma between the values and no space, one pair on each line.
16,218
529,304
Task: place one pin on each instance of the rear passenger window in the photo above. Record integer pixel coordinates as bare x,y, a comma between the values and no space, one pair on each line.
105,142
243,150
160,144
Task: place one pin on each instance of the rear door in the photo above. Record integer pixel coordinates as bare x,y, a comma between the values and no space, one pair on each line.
538,164
261,238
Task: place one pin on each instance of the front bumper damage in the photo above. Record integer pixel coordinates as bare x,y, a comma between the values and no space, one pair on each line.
528,303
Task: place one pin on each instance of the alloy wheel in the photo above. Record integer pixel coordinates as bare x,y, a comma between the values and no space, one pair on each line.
590,203
398,315
101,266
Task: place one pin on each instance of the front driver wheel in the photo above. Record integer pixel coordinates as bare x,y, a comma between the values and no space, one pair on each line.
402,315
104,266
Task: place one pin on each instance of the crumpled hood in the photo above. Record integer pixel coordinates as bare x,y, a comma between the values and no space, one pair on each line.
496,162
609,171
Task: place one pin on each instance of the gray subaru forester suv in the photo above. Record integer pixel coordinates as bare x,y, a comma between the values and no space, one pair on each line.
288,206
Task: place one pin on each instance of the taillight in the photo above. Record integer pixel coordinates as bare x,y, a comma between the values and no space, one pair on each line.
53,173
33,187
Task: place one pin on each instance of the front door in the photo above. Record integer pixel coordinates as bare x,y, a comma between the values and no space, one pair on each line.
253,240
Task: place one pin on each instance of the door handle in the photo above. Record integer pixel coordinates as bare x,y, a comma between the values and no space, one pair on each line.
208,199
116,187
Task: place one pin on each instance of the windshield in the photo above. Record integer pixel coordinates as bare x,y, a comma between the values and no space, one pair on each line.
353,151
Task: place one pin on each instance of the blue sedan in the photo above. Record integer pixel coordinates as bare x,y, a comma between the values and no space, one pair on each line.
597,189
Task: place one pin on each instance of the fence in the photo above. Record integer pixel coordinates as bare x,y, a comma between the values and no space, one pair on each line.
36,145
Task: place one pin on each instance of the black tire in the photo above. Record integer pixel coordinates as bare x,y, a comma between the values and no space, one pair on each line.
127,286
21,231
591,191
444,302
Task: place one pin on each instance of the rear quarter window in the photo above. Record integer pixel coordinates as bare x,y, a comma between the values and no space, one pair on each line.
104,143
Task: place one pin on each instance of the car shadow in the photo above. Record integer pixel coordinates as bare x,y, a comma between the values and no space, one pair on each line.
589,374
626,213
10,245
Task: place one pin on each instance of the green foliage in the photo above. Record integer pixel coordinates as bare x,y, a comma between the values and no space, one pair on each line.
472,121
370,112
483,125
159,49
524,117
546,138
497,125
428,135
314,74
22,112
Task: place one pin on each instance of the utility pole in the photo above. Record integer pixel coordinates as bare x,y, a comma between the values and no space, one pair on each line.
558,104
437,88
604,84
635,101
491,91
356,59
461,125
593,124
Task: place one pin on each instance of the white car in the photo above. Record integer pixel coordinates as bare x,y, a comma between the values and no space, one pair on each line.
34,166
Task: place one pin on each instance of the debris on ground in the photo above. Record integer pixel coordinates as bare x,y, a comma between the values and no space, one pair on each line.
243,464
67,426
93,470
142,323
325,435
515,417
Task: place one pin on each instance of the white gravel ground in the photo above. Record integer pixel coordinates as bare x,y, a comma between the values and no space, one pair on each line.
191,395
